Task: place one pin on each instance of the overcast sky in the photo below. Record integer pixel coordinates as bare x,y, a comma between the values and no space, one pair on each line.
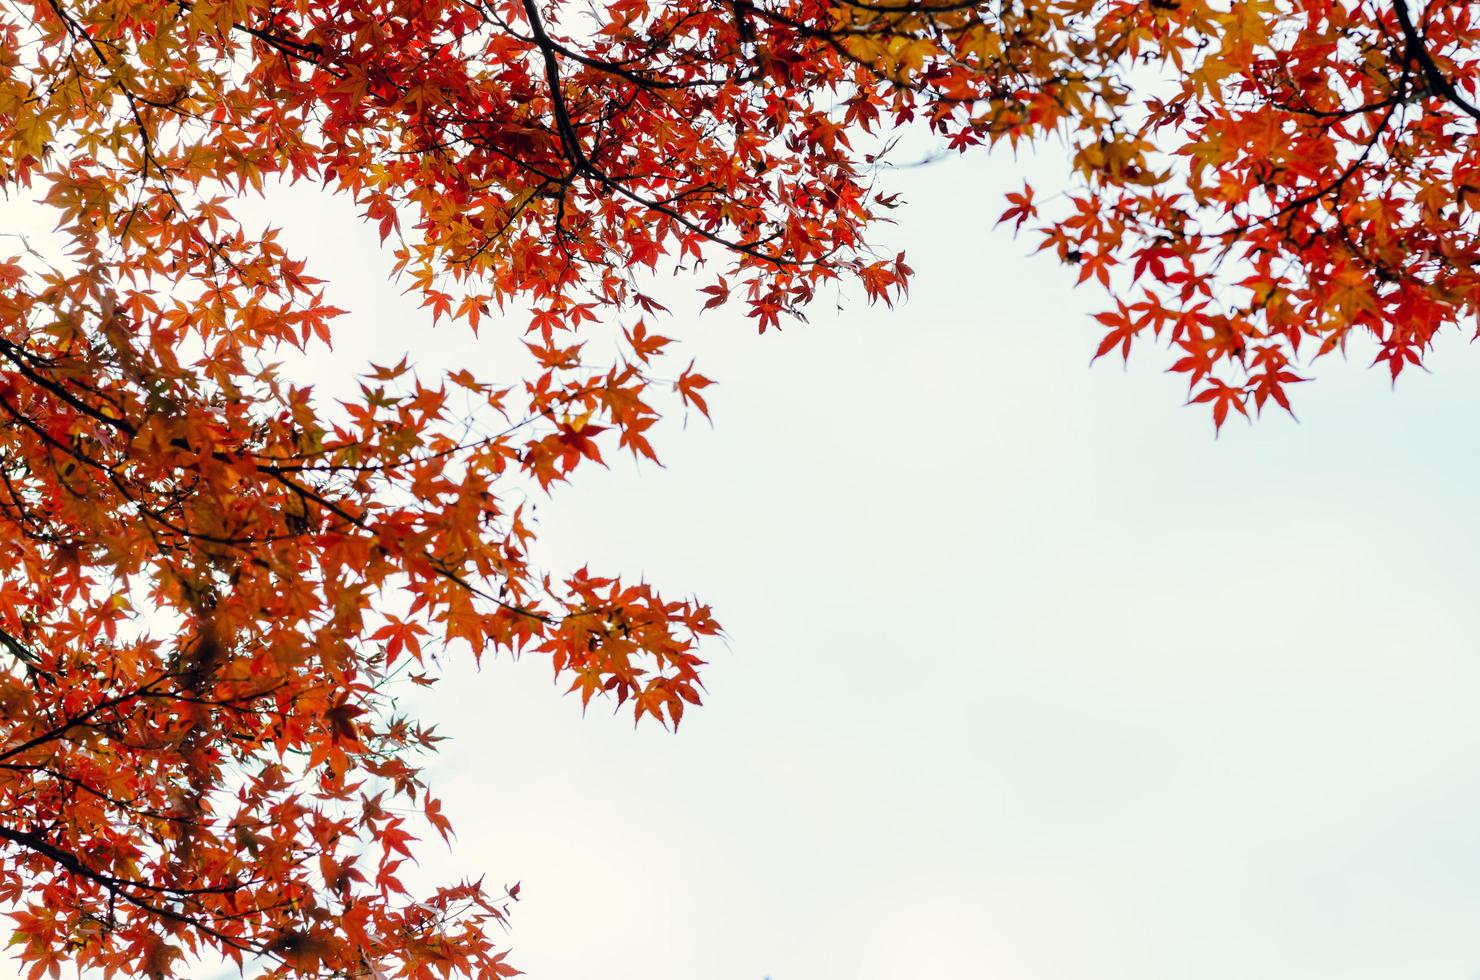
1028,676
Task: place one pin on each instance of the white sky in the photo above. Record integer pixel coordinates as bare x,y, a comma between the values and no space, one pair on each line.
1028,676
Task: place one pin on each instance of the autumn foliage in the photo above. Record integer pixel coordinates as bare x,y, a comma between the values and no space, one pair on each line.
211,577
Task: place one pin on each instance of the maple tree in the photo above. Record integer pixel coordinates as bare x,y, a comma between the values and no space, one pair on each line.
210,577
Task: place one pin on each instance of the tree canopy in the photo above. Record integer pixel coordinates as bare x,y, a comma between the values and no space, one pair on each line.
211,577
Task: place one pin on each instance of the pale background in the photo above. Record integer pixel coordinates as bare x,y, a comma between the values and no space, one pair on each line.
1028,676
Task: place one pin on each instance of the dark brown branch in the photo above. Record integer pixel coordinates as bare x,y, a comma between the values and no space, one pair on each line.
1418,51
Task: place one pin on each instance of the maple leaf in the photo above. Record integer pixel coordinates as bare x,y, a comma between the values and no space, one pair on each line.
688,387
1223,397
1022,210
